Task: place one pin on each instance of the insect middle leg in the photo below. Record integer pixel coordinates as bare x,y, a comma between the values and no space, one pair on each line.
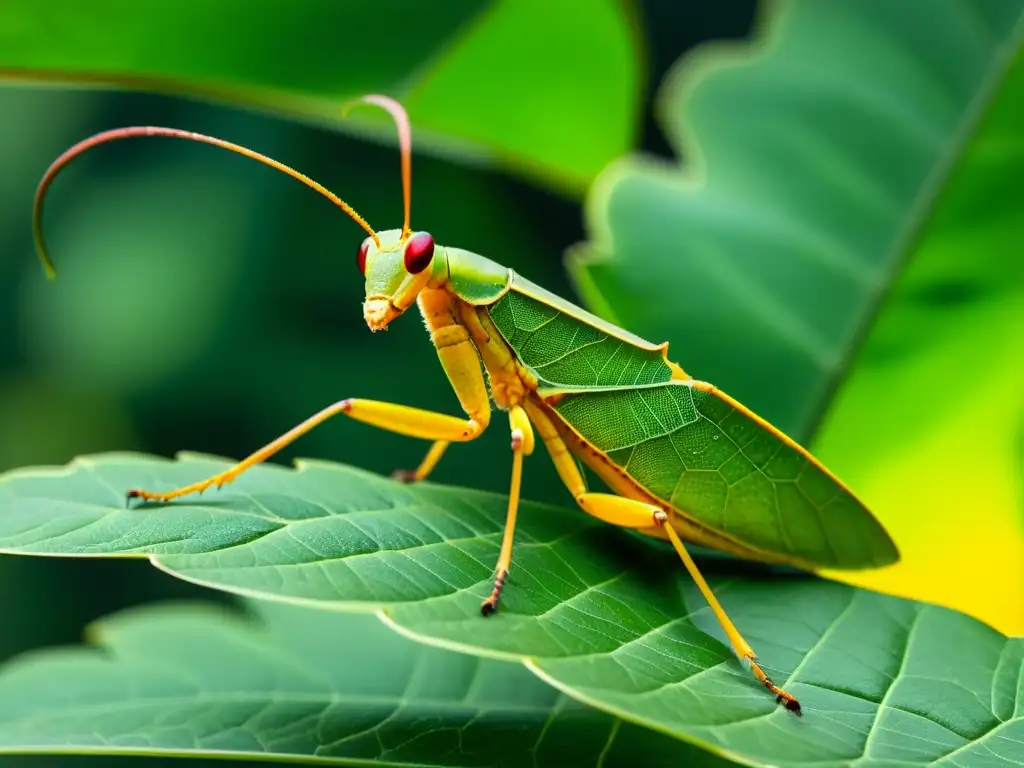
630,513
522,445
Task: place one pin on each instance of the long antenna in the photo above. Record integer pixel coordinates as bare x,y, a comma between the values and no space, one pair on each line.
401,118
126,133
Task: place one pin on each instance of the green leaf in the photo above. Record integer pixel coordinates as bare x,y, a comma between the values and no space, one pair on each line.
300,685
955,313
608,618
529,113
847,220
812,160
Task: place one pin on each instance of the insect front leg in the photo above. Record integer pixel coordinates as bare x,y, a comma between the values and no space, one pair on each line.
460,362
402,419
458,355
425,467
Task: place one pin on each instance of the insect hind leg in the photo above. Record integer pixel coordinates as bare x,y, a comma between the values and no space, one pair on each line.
739,644
630,513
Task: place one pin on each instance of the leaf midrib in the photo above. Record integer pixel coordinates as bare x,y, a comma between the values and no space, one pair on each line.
325,699
903,246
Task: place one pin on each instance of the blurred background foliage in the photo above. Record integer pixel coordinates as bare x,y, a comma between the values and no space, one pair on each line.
430,55
208,303
850,212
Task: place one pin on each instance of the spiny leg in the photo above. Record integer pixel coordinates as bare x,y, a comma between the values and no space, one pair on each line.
413,422
522,445
629,513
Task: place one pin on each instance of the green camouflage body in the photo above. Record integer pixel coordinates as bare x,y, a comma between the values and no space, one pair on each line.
683,442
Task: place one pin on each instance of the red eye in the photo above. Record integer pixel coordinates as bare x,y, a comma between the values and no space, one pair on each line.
418,252
364,249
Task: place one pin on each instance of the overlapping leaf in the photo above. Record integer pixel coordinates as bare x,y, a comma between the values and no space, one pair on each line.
609,619
547,83
856,139
302,685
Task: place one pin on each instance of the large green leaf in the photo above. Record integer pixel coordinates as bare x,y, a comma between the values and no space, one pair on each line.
552,72
811,162
608,618
956,312
305,686
853,142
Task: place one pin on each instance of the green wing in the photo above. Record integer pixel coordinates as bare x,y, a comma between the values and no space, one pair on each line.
725,468
568,348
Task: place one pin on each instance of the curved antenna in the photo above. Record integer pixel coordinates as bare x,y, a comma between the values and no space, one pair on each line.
125,133
401,118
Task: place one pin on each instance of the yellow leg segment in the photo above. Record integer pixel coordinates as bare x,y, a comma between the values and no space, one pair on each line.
629,513
413,422
739,644
461,365
522,445
565,464
402,419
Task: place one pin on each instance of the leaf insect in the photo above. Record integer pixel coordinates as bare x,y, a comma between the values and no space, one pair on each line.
682,459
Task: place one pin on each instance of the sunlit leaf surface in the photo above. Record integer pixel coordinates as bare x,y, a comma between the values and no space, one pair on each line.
853,161
605,617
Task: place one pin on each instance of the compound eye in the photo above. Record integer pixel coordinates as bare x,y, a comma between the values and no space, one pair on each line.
364,250
418,252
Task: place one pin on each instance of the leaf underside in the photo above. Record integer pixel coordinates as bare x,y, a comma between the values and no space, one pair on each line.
305,686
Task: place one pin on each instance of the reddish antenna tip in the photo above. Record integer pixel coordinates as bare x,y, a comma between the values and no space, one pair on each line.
401,118
150,130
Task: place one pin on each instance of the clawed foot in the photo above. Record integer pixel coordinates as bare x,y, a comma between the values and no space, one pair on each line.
138,493
490,605
219,481
781,697
790,703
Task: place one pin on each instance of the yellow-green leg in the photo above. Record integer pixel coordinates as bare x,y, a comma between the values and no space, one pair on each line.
522,445
630,513
461,364
413,422
739,644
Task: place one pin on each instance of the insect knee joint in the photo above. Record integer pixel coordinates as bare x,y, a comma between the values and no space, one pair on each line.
449,336
522,432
